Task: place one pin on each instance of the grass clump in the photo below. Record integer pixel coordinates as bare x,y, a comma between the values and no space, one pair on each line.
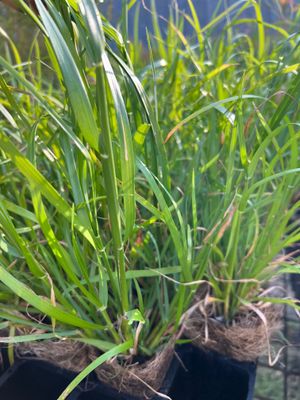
233,122
126,185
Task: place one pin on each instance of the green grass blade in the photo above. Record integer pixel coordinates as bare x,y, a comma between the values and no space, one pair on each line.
77,92
122,348
40,303
37,180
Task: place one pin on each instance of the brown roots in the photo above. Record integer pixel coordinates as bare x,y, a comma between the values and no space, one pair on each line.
67,354
144,378
245,339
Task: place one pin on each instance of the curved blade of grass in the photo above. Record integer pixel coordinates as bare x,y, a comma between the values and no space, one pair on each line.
7,115
10,232
287,101
276,28
224,14
40,303
102,345
15,52
38,181
256,157
211,106
157,31
31,14
198,30
77,92
122,348
267,179
19,320
160,152
261,30
179,240
38,336
52,112
13,103
59,252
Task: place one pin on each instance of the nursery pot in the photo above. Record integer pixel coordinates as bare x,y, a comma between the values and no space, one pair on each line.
208,375
194,374
33,380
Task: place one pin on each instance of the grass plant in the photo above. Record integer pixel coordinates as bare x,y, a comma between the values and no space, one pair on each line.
127,182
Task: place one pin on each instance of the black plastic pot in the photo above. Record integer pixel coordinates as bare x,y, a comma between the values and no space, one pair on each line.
210,376
35,380
193,375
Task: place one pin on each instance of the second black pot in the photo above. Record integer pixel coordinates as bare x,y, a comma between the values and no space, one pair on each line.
207,375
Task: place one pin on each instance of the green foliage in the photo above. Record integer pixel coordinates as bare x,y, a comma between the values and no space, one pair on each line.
230,117
124,187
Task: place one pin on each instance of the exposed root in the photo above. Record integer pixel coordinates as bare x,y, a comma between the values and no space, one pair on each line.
144,378
63,353
245,339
